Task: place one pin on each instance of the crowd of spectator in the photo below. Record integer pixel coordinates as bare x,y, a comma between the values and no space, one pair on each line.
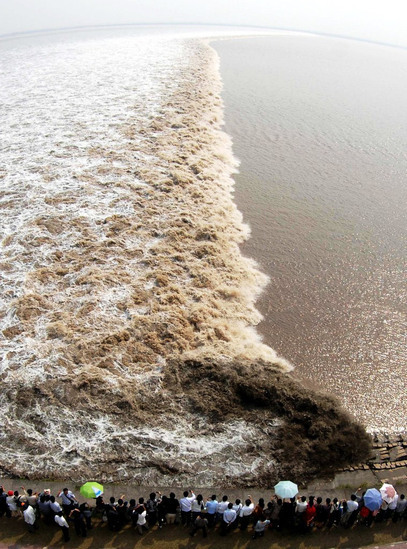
194,512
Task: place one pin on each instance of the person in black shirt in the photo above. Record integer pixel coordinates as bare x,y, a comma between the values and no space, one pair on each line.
172,506
162,511
4,508
78,520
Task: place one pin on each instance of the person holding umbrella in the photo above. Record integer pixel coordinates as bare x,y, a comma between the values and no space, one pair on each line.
390,498
286,490
372,501
91,490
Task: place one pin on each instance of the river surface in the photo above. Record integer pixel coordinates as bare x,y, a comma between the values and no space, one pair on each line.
319,126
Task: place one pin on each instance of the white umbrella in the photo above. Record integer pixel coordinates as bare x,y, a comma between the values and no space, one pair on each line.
286,489
388,492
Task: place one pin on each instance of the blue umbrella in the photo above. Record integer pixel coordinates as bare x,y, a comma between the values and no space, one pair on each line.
373,499
286,489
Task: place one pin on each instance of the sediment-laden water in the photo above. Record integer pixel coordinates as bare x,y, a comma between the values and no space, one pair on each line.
128,314
317,124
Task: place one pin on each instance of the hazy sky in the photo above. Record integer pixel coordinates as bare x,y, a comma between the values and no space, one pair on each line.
380,20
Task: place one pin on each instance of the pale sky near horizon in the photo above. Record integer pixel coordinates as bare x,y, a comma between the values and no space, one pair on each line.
377,20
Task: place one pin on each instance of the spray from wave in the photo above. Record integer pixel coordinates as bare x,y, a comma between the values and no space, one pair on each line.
128,311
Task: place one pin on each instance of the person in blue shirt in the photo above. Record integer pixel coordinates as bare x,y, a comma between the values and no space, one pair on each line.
211,508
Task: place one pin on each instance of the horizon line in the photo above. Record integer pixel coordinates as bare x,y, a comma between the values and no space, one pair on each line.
51,30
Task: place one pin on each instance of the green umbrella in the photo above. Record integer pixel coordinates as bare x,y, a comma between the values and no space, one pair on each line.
91,490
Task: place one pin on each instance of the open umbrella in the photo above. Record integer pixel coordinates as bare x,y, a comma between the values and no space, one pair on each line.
373,499
286,489
91,490
388,492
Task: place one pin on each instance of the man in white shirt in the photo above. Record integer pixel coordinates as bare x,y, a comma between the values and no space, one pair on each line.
141,519
68,499
11,502
186,505
222,506
29,517
54,505
237,507
301,505
229,517
352,504
245,513
60,520
352,511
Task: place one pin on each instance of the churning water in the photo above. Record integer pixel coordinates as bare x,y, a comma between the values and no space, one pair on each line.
120,250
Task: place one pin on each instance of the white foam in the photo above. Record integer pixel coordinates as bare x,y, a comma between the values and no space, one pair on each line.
91,237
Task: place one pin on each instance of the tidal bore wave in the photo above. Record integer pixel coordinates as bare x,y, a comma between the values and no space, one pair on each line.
128,311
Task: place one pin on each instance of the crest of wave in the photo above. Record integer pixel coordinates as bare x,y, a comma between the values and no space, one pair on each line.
122,276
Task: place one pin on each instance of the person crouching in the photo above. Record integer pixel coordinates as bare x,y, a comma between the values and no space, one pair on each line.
200,523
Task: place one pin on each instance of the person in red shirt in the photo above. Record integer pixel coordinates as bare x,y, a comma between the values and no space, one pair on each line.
310,512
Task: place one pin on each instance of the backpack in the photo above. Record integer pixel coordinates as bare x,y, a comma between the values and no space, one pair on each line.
18,500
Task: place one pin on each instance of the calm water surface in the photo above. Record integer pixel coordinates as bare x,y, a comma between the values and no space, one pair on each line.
319,125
